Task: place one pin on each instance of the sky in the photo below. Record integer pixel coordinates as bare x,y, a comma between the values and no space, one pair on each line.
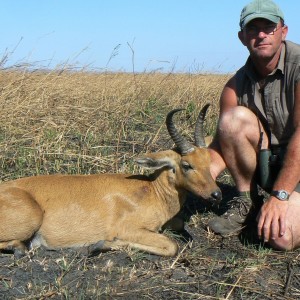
129,35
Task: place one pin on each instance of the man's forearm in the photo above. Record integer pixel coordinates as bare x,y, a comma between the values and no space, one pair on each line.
289,175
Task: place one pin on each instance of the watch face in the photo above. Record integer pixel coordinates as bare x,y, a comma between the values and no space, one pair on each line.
283,195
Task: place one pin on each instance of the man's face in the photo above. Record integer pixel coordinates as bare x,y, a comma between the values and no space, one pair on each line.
263,38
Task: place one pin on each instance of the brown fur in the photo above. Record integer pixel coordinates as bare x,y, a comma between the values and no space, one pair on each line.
109,210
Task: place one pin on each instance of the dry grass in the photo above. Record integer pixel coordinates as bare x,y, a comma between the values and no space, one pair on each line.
81,122
84,122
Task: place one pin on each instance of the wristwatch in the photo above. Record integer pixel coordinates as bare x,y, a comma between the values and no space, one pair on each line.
281,195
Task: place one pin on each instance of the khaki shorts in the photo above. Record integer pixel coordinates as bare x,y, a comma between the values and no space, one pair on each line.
269,164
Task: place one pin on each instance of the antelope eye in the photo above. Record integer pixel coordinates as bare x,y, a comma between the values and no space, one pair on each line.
186,166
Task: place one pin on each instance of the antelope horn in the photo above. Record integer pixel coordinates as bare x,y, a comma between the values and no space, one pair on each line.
199,130
181,143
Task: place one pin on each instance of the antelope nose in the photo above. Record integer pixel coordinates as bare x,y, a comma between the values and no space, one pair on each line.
217,195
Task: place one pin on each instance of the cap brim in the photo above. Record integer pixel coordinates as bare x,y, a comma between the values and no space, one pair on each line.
274,19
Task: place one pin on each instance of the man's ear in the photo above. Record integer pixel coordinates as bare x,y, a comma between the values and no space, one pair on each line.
285,30
241,37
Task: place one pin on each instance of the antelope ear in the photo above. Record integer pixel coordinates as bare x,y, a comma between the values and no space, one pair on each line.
154,163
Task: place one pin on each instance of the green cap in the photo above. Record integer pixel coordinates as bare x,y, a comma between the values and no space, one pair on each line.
265,9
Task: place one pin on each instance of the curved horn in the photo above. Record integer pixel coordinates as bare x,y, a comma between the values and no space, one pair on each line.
199,130
181,143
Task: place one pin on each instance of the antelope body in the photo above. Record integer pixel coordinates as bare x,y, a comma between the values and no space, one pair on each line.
106,211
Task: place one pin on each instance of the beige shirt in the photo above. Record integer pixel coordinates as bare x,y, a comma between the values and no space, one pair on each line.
272,99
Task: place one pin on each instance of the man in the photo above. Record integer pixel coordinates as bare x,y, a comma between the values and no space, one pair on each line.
259,129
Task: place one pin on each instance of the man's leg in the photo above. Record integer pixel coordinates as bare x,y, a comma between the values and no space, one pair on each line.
238,135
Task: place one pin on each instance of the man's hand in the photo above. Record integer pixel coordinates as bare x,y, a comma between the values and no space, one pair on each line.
272,219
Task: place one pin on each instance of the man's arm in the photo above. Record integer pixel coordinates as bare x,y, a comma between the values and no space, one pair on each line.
272,218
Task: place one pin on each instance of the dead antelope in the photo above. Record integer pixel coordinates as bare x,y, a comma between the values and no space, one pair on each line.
108,210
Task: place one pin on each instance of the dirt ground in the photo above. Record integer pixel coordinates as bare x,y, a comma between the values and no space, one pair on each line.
207,267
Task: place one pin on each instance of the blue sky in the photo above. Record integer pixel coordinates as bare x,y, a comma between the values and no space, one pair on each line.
164,35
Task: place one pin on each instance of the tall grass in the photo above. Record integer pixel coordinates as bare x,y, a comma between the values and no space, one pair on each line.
88,122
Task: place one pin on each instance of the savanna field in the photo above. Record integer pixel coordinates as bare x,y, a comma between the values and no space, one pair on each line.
86,122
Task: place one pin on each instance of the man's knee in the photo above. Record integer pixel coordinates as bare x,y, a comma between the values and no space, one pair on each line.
284,243
236,117
238,122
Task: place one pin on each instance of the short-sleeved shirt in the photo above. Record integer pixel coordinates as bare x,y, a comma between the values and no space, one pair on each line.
272,99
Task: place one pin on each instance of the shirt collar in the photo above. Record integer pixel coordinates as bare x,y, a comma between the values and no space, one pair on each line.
281,59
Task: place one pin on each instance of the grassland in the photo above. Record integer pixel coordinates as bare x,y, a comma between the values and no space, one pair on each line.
85,122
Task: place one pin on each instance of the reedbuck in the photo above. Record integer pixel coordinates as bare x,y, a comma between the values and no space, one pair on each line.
108,211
